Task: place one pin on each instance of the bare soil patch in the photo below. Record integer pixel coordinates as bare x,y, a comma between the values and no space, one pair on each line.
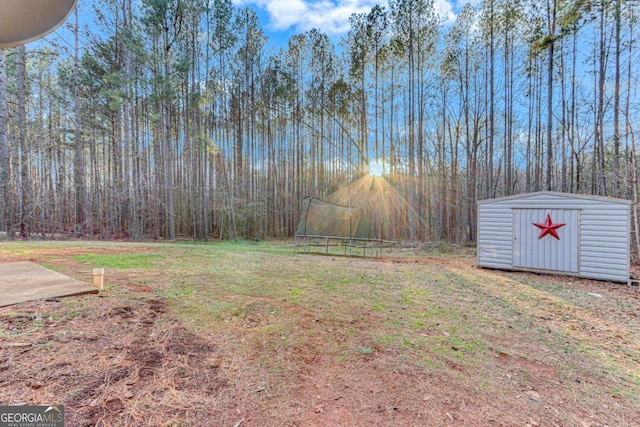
110,362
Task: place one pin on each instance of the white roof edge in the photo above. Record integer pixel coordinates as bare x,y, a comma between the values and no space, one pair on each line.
558,194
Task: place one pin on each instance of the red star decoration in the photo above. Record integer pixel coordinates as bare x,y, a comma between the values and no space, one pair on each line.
548,227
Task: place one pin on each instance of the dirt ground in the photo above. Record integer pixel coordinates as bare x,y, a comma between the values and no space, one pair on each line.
127,360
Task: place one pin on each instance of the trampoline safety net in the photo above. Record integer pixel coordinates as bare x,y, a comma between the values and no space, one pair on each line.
327,221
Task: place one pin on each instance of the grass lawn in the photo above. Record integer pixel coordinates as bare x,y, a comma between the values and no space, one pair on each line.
239,334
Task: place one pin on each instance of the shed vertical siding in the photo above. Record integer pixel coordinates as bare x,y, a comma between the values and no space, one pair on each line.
605,243
495,231
600,228
546,253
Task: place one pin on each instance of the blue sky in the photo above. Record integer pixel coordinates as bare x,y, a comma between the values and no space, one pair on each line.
282,18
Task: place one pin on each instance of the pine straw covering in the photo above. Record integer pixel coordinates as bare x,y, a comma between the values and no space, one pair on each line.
112,363
262,344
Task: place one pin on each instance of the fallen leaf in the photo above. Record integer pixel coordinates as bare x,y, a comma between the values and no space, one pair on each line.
36,384
17,344
533,395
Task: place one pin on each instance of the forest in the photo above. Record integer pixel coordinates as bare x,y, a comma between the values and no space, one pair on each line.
167,119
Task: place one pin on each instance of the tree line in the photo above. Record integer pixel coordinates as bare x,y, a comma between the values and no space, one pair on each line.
174,118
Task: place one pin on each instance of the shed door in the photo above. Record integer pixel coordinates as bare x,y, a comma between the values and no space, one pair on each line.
542,242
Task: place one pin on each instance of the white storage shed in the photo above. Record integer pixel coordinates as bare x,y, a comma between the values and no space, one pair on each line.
558,233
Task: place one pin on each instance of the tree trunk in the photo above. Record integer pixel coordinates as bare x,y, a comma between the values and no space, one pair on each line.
490,149
4,146
79,170
25,202
551,16
616,105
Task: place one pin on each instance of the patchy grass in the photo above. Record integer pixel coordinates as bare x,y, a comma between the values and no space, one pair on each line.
120,261
417,338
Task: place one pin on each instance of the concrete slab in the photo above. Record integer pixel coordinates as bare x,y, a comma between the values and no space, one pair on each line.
27,281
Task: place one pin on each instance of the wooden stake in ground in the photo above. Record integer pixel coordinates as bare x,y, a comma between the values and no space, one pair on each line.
98,278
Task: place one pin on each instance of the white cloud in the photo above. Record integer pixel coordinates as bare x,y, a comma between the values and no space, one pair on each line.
461,3
444,8
329,16
282,14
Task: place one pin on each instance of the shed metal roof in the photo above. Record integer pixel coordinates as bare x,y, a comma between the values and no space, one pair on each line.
557,194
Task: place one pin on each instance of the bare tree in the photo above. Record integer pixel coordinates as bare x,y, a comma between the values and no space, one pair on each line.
4,146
